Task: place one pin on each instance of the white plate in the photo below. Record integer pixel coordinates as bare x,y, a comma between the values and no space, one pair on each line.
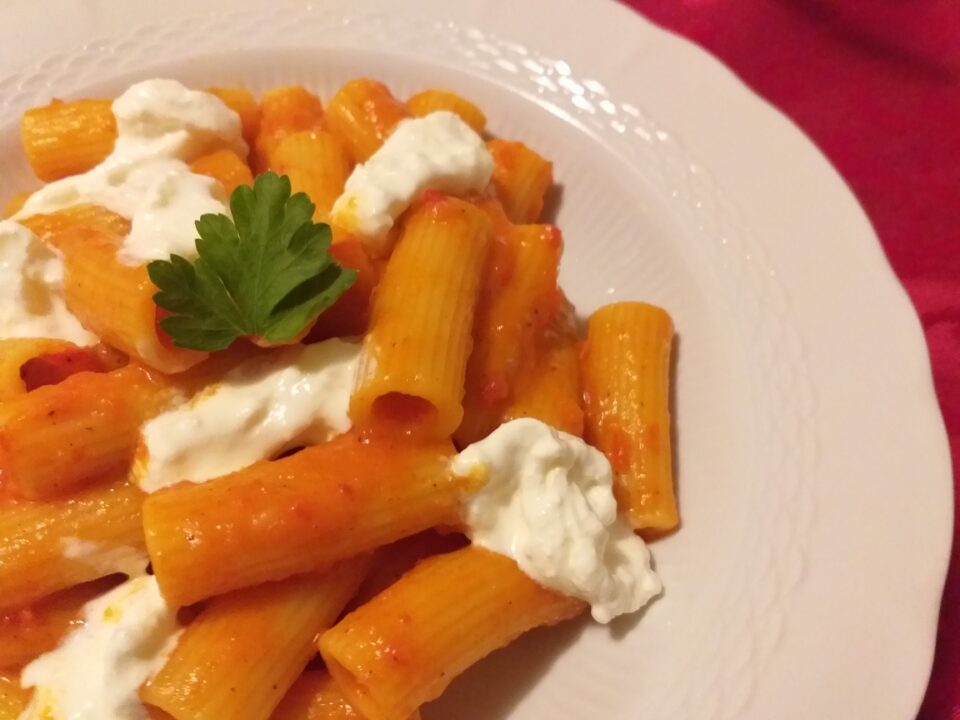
814,470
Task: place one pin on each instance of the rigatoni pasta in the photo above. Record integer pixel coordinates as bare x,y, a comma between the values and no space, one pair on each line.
299,514
283,111
316,163
115,301
519,297
67,138
316,696
51,545
521,179
626,371
225,166
405,646
362,114
415,355
14,352
245,649
432,100
61,438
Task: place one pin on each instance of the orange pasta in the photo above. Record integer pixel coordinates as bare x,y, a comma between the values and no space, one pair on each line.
51,545
415,355
13,698
30,631
428,101
115,301
519,297
55,228
226,166
14,352
244,104
391,562
521,179
316,164
548,384
405,646
362,114
283,111
626,369
315,696
245,649
67,138
60,438
298,514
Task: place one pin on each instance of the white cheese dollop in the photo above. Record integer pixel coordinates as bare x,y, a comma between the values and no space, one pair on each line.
548,504
437,152
105,559
161,125
298,396
31,289
97,669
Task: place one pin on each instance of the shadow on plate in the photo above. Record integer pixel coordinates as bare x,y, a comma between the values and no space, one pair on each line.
491,689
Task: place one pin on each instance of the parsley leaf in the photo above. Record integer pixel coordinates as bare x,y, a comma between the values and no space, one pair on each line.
265,274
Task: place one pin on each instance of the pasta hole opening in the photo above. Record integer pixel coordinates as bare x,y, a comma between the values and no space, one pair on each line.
405,410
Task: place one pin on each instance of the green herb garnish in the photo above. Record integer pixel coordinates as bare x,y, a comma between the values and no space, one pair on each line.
265,274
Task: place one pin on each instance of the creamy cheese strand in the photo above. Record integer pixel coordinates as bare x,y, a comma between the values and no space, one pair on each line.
548,503
161,125
97,669
31,289
436,152
294,397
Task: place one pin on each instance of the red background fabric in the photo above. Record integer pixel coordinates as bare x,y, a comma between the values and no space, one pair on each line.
876,85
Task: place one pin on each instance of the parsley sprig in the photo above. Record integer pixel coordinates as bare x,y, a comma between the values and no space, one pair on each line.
265,274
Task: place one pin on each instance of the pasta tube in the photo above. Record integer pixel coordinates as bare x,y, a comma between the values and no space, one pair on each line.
52,545
521,179
315,696
14,352
115,301
60,438
362,114
404,647
299,514
415,355
225,166
245,649
429,101
548,385
316,164
283,111
67,138
626,373
519,297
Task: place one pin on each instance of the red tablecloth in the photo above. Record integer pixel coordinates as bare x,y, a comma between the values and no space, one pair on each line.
876,84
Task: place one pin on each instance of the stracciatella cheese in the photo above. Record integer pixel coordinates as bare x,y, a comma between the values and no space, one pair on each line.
436,152
161,125
96,671
31,290
298,396
547,502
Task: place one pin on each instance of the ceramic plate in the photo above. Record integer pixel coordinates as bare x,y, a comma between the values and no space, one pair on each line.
814,475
